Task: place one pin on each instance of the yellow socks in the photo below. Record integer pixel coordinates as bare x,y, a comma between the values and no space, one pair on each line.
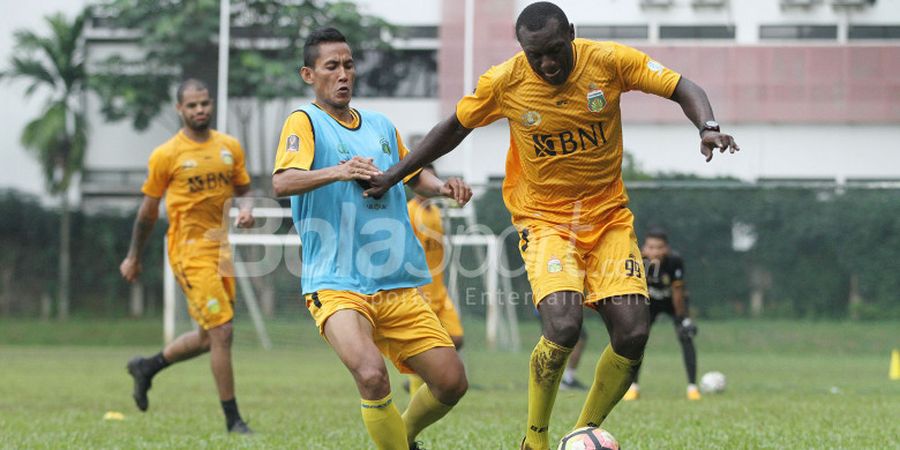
548,362
423,410
415,382
384,424
612,378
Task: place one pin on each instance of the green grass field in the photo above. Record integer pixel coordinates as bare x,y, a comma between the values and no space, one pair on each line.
790,385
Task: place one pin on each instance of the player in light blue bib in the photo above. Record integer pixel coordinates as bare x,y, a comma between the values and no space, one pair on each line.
362,264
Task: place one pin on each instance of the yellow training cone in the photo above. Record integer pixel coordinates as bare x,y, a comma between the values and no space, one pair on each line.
895,365
113,415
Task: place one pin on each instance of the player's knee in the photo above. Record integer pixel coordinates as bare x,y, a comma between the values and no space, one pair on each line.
372,380
630,341
222,334
450,388
564,331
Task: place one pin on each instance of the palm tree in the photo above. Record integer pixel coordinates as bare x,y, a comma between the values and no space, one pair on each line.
54,63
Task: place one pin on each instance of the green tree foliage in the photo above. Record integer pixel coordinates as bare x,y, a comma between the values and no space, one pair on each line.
180,39
54,64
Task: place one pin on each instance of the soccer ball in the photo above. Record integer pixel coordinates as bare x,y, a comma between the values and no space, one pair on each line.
712,383
588,438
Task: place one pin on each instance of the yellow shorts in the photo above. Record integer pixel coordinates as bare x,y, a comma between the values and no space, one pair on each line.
210,294
439,300
601,260
404,325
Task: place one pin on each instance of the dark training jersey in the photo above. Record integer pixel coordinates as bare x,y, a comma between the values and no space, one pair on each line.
662,275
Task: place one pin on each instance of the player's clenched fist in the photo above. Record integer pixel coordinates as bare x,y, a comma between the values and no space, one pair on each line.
130,269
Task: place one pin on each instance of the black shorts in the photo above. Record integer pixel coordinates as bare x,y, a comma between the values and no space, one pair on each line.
664,305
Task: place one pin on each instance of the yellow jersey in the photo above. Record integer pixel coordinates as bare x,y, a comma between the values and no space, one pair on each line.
429,229
564,163
197,179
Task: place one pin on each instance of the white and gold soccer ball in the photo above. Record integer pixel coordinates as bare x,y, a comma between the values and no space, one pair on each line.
588,438
712,383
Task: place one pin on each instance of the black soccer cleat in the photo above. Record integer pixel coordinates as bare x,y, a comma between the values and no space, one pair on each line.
142,383
240,427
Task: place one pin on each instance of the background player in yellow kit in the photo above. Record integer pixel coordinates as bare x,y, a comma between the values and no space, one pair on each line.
427,223
198,170
564,189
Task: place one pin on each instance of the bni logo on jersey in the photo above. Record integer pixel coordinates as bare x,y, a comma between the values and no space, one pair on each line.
596,100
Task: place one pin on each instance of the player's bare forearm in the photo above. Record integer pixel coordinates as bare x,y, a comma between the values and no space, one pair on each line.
242,194
143,226
696,107
678,301
296,181
693,101
444,137
244,218
427,184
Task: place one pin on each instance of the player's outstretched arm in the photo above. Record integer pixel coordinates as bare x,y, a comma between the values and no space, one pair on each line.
296,181
695,103
444,137
143,228
428,184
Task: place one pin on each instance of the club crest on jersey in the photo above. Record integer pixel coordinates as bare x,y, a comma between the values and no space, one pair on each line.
531,118
188,164
554,265
293,143
212,305
385,147
596,100
226,156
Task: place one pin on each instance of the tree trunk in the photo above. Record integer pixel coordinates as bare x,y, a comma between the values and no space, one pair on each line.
760,281
64,257
46,306
6,296
136,309
855,300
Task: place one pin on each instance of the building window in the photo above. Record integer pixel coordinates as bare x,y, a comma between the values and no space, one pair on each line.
798,32
696,32
613,32
397,73
417,32
874,32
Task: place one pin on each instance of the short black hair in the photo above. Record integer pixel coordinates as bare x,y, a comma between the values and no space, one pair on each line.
430,167
311,46
535,16
658,233
189,83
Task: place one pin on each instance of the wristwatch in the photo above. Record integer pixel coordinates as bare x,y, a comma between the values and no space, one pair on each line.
710,125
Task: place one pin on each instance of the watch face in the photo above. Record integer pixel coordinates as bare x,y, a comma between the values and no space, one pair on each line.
711,124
